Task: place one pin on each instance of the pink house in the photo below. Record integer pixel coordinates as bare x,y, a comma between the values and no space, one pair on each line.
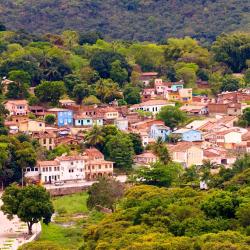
17,107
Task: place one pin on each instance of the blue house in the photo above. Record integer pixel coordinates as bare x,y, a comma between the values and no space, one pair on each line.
64,116
189,134
159,131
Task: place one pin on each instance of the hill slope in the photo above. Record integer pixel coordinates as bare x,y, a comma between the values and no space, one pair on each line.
129,19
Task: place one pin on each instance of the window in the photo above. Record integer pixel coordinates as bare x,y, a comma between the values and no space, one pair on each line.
50,169
72,163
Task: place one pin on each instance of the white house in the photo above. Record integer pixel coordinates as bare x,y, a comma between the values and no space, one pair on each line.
63,168
153,106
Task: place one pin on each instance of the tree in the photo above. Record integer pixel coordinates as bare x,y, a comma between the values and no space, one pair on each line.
50,91
70,81
247,76
243,214
31,204
120,150
70,39
105,193
132,94
89,37
160,149
233,50
230,83
107,90
17,91
50,119
172,116
190,175
137,143
187,74
2,27
95,137
244,120
117,73
159,174
102,63
80,91
220,204
19,76
90,100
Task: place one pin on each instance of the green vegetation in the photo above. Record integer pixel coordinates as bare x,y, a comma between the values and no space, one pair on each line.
127,19
31,204
65,232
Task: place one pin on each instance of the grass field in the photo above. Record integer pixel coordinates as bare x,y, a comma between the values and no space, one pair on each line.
70,219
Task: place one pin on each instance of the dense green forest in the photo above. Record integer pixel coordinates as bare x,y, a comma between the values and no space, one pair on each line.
143,20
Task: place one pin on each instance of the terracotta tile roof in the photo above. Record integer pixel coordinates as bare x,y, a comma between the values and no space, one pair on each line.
98,162
183,146
147,154
93,152
17,102
72,158
47,163
149,74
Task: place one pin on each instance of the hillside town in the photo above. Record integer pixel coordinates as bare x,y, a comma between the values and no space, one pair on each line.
212,133
124,144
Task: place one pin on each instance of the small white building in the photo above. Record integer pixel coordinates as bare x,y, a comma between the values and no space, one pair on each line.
121,123
153,106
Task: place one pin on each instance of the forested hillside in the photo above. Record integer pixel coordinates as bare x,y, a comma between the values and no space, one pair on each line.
151,20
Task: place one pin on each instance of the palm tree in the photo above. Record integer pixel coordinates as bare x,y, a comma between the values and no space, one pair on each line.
160,149
95,137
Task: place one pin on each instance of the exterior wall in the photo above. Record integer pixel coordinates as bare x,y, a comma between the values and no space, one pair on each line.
72,170
234,111
192,135
84,122
32,126
122,124
47,142
217,108
95,170
111,115
17,109
65,118
156,132
232,137
50,174
185,95
194,156
88,122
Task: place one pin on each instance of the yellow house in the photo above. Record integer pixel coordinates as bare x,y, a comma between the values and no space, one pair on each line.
186,95
187,153
31,126
182,95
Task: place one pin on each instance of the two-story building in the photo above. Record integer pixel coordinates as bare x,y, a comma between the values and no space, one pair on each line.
88,166
187,153
64,116
17,107
46,139
159,132
30,126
